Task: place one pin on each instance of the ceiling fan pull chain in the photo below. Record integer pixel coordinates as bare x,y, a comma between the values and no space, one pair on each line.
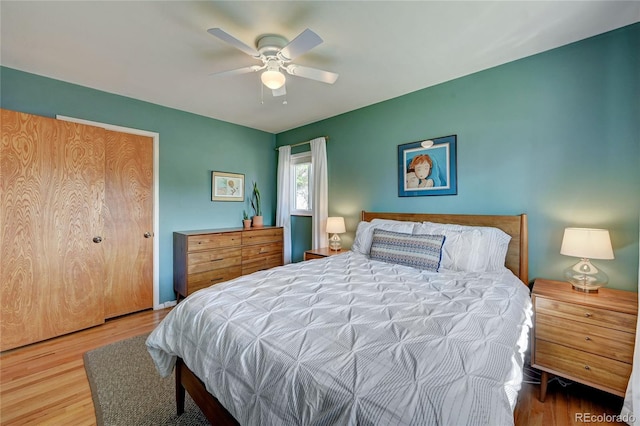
261,93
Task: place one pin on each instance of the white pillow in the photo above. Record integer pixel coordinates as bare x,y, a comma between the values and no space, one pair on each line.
470,248
392,222
364,232
459,249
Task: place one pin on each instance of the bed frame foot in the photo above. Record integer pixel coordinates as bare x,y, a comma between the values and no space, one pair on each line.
180,392
209,405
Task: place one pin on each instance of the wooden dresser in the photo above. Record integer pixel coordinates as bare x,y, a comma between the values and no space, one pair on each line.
585,337
206,257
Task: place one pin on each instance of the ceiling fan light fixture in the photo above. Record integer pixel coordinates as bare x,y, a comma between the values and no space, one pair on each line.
276,53
273,79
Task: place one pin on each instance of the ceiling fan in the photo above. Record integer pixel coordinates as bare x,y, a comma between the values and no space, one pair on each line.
276,55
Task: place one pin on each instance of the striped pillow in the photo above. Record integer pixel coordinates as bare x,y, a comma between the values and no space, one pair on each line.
418,251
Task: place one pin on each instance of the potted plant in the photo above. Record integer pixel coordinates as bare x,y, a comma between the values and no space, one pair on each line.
255,204
246,222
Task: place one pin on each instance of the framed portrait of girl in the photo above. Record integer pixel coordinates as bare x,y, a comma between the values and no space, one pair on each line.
427,167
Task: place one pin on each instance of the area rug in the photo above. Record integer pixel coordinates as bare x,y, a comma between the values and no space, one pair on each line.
127,389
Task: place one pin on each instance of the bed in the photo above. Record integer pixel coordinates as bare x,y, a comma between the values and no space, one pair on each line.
358,338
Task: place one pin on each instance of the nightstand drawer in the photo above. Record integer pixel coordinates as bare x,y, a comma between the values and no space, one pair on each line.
321,253
590,315
606,342
309,256
593,370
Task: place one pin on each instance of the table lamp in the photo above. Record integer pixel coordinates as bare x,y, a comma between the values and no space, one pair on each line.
586,243
335,226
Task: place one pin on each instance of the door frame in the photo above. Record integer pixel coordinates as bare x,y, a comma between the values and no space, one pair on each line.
156,195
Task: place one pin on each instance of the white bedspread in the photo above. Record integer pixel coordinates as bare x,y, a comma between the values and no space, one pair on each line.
349,341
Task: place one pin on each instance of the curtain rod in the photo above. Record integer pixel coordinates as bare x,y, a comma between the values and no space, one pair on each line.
326,138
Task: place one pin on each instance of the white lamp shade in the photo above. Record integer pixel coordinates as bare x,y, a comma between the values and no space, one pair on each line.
273,79
587,243
335,225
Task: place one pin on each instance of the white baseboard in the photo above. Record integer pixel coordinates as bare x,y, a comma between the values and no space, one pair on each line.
169,304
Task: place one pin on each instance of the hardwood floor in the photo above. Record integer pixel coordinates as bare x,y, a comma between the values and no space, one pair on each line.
574,405
45,383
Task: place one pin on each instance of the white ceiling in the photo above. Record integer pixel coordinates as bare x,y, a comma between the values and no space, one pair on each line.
160,51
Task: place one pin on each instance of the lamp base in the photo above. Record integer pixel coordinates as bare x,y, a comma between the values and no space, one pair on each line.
584,289
585,277
334,242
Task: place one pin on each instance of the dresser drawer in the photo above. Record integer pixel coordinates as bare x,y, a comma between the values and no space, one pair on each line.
593,370
261,263
261,236
260,250
594,339
206,279
213,259
210,241
585,314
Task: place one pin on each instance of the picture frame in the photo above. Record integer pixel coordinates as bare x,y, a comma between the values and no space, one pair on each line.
227,186
428,167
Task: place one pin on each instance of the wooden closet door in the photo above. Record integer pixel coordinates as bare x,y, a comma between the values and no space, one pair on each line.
51,194
128,218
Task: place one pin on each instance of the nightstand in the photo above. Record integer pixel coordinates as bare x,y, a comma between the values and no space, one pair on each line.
587,338
321,252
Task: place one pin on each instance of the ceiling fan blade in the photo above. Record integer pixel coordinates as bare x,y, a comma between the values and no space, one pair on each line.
279,92
228,38
304,42
238,71
312,73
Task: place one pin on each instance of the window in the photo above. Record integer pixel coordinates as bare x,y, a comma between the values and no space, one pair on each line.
301,184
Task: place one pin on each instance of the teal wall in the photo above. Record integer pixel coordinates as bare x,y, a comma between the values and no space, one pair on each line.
300,237
555,135
191,146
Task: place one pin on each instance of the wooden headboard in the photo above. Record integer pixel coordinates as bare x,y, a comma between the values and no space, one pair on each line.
518,252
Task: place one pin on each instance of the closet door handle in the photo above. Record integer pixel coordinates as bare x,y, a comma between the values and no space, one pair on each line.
147,234
97,239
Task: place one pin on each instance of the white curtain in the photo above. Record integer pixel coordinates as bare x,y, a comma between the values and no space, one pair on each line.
631,408
283,210
320,202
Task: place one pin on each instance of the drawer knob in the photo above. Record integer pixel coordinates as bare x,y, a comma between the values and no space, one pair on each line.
587,338
588,315
586,367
